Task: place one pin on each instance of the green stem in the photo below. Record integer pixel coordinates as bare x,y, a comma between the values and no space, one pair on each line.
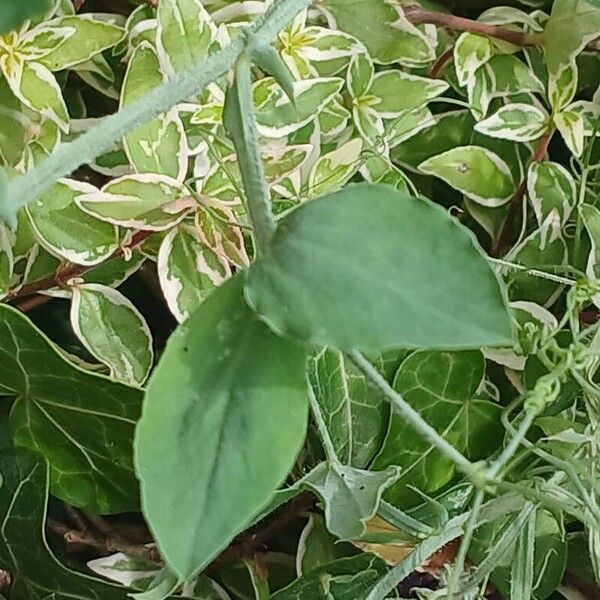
240,120
405,410
321,426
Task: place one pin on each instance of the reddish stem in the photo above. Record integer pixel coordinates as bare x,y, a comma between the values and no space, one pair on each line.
503,241
441,62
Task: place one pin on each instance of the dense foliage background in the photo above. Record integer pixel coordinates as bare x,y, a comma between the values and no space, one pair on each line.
299,299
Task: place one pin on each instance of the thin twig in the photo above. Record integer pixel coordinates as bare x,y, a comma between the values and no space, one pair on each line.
441,63
504,237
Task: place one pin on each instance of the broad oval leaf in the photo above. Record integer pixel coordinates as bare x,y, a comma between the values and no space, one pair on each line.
145,201
516,122
550,187
113,330
470,53
80,422
476,171
203,443
64,229
341,272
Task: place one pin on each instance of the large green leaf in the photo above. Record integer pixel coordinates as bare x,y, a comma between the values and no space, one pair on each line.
441,386
12,14
36,573
354,412
81,422
372,268
224,417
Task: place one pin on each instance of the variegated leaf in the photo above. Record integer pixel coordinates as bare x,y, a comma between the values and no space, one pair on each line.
476,171
186,33
516,122
333,119
335,168
590,216
562,86
188,270
276,114
7,261
550,187
145,201
470,53
113,330
360,75
160,145
64,229
571,126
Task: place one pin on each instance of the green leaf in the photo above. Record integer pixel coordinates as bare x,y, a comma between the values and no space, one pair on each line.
35,572
90,37
550,187
13,14
354,412
64,229
333,169
188,270
7,261
277,116
590,216
159,146
80,422
515,122
360,75
145,201
521,570
215,410
441,386
113,330
571,126
562,86
351,496
185,34
334,256
477,172
344,579
383,29
572,24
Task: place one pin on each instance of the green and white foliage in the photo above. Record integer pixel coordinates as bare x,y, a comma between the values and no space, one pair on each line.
309,288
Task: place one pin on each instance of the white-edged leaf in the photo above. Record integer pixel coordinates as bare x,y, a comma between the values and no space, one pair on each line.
571,126
480,91
550,187
333,119
188,270
335,168
64,229
7,262
90,37
562,86
277,116
476,171
160,145
43,39
145,201
37,88
123,569
591,220
517,122
360,75
113,330
185,35
470,52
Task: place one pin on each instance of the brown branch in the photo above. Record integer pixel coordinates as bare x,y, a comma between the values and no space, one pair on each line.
420,16
105,545
503,241
64,274
441,63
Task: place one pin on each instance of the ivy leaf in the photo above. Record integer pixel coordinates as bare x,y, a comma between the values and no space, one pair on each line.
476,171
334,256
82,423
185,34
344,579
212,406
64,229
572,24
515,122
188,270
90,37
441,386
145,201
113,330
351,496
159,146
36,573
354,413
